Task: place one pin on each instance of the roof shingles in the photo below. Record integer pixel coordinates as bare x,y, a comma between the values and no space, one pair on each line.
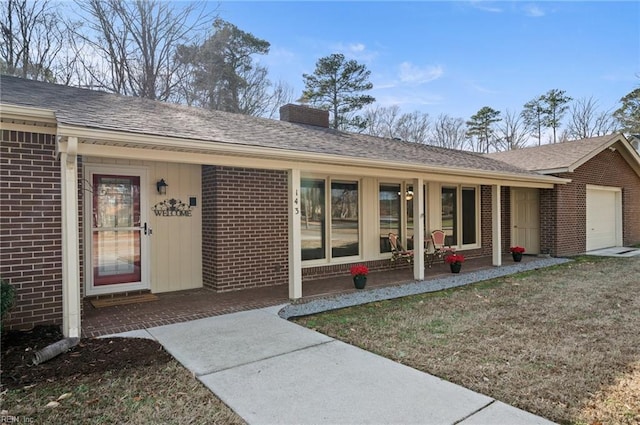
99,110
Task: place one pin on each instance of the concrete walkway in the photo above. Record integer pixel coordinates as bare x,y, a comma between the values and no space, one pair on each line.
272,371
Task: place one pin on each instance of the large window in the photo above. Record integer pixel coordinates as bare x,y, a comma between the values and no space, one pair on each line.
343,229
344,219
460,215
313,222
389,199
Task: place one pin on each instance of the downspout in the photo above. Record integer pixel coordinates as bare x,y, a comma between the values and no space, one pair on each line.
70,246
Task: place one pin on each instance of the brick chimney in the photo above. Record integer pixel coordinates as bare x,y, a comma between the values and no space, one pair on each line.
301,114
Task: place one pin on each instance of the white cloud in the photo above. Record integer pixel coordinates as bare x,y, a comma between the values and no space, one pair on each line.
357,51
534,11
410,73
483,5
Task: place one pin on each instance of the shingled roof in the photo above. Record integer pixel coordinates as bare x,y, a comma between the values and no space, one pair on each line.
99,110
558,157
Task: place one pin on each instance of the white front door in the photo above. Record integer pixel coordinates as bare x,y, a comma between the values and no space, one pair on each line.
525,219
117,230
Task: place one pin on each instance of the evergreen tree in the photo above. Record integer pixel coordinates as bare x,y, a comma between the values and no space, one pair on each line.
338,84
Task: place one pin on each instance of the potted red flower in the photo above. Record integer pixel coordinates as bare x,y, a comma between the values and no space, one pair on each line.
359,273
455,262
516,253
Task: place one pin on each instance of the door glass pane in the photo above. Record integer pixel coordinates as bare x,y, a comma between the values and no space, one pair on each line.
116,250
116,257
449,215
344,219
116,201
313,219
468,215
389,205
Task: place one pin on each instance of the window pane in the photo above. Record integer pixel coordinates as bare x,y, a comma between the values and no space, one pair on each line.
313,219
468,215
449,215
408,195
389,214
344,219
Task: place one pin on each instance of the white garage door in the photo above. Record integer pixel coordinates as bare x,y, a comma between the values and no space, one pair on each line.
603,225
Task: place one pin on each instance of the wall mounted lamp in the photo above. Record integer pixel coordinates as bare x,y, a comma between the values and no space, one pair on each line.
161,185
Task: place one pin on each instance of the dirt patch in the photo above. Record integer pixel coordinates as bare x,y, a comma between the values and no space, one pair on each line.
90,356
104,380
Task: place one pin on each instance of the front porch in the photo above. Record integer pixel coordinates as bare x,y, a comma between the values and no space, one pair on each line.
182,306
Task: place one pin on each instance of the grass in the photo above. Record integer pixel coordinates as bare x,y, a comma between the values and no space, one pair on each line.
560,342
166,394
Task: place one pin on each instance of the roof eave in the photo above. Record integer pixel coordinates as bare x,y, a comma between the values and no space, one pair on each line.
168,143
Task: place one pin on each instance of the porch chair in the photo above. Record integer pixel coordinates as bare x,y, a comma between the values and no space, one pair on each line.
397,251
440,248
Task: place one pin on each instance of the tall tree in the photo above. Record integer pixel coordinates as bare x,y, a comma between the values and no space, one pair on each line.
448,132
338,84
628,114
585,120
223,73
511,133
481,127
533,118
390,122
556,104
133,43
32,34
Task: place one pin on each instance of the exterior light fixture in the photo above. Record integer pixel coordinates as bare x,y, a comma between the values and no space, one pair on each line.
162,187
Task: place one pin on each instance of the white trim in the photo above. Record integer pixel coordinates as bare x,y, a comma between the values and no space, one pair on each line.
496,224
145,257
295,236
71,318
172,149
418,229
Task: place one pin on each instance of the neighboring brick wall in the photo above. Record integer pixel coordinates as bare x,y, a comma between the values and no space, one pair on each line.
245,228
31,228
568,227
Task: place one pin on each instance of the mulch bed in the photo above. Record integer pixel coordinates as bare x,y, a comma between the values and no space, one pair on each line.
91,355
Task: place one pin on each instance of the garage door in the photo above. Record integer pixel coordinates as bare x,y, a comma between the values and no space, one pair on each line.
603,225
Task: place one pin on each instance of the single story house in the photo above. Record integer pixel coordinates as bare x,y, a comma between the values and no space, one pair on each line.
104,194
599,208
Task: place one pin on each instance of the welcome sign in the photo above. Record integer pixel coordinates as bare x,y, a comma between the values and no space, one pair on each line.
172,208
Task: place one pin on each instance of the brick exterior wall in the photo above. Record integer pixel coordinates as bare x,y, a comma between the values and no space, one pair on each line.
301,114
563,210
245,228
31,228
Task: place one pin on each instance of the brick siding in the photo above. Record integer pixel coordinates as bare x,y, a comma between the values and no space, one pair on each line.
245,228
31,228
564,209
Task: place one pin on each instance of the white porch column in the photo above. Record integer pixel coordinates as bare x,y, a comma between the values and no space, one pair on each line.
70,247
496,224
418,229
295,243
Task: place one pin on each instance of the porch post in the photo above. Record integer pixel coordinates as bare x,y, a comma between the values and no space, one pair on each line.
418,229
295,244
70,246
496,224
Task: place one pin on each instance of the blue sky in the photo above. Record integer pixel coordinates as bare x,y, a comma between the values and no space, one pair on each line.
455,57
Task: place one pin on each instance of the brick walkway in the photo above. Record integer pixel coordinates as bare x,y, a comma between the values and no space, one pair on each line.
182,306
